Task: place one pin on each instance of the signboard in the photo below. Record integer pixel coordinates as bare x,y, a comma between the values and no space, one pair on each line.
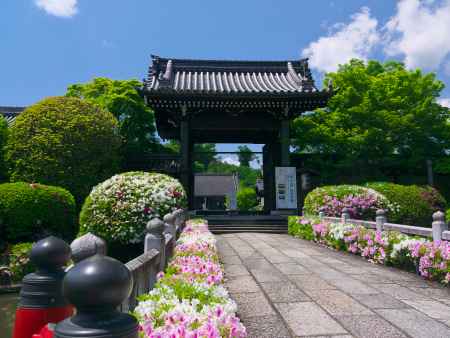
286,187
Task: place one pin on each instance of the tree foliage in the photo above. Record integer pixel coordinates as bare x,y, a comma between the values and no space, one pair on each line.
64,141
3,139
121,98
245,155
381,115
246,199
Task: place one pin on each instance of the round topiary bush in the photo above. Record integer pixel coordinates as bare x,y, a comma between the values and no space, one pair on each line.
33,211
246,199
362,202
119,208
64,141
415,205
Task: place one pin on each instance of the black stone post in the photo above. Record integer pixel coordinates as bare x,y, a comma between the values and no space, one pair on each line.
285,142
44,287
269,162
186,166
96,287
41,297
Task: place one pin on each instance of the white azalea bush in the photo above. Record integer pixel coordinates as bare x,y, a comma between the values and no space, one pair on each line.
189,299
119,208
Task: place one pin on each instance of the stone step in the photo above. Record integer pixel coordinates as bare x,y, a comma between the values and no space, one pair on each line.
232,231
230,228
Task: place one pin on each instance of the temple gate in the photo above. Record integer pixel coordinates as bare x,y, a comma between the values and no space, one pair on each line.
212,101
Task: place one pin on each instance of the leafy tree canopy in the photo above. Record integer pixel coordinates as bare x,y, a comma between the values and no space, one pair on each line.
381,113
204,153
245,155
120,97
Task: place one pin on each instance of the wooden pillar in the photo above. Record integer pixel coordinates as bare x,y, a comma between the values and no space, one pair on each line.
269,177
186,167
285,142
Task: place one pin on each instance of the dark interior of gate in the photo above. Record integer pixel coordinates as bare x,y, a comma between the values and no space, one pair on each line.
218,101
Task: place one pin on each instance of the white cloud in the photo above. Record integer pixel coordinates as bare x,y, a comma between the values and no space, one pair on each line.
344,42
444,102
61,8
420,31
230,160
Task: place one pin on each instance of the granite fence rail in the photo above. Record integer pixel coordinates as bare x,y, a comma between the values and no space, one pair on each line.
158,248
438,231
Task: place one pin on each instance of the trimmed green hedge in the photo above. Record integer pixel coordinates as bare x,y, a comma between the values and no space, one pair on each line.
32,211
415,204
447,216
65,142
406,204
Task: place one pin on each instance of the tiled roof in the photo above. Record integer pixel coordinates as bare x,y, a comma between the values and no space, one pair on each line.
10,113
212,77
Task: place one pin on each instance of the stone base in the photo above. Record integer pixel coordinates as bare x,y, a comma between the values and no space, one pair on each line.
284,212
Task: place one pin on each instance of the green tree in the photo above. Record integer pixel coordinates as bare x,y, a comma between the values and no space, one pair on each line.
121,98
204,153
3,139
66,142
246,199
245,155
381,115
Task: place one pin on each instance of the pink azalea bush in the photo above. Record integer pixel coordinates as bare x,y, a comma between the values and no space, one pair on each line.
189,300
387,247
361,202
433,258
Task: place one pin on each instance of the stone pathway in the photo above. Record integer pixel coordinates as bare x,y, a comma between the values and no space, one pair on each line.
288,287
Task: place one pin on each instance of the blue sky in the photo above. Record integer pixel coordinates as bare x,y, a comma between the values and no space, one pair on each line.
46,45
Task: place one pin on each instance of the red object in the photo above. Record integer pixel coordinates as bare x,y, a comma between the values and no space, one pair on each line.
46,332
30,322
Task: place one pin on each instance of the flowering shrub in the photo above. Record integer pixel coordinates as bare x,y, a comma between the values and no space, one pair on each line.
388,247
119,208
415,205
189,299
361,202
434,259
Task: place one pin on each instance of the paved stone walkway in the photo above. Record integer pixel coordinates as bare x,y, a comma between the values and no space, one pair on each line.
288,287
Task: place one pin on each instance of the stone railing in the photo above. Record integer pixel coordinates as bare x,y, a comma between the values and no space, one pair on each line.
93,297
438,231
158,248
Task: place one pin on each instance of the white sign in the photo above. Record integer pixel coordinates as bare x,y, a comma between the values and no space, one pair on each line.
286,187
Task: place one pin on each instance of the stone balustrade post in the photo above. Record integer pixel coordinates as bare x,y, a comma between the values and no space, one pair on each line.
96,286
179,218
321,215
170,224
155,239
345,216
41,297
87,246
380,219
438,226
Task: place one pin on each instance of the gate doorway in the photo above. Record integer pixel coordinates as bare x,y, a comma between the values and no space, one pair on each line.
228,181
